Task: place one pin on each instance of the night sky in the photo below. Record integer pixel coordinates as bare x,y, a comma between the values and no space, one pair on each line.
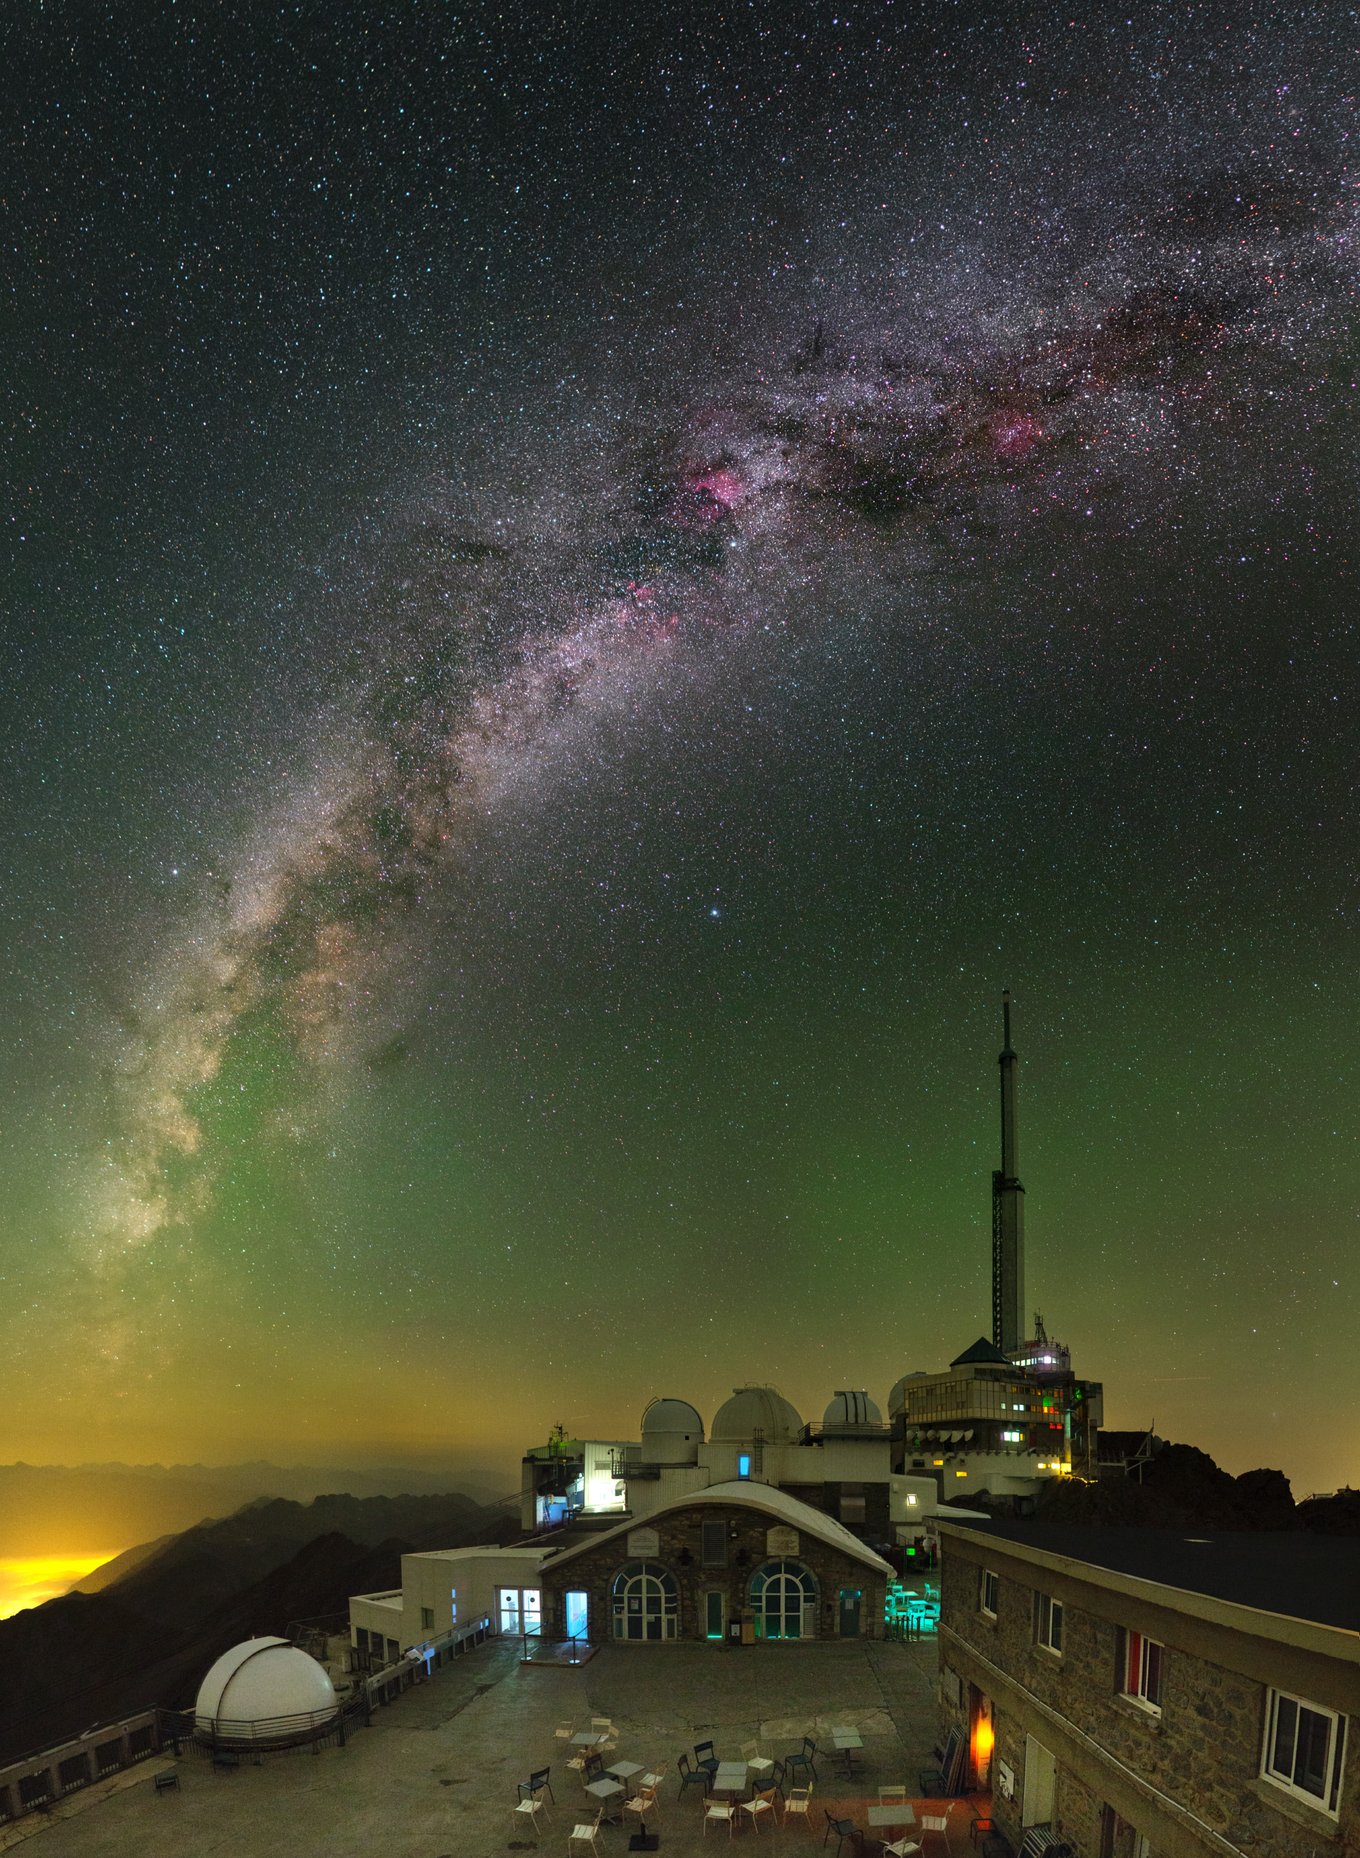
582,590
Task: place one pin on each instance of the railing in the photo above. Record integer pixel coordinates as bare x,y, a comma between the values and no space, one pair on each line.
35,1784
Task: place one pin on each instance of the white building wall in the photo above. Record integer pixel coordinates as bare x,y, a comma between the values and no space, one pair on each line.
474,1574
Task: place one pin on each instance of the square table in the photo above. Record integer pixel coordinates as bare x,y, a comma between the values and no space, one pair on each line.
901,1815
843,1739
606,1791
729,1778
589,1738
622,1770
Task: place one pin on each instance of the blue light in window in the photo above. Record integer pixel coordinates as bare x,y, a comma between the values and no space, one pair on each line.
743,1464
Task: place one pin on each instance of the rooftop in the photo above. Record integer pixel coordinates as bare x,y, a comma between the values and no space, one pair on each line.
435,1776
1291,1574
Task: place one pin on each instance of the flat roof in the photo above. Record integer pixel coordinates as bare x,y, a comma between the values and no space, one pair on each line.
1293,1574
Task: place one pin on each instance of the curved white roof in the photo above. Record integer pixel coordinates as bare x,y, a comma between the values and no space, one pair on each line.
752,1408
767,1497
852,1409
261,1680
664,1415
895,1397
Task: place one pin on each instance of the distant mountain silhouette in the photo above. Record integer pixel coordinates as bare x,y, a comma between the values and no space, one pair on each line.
149,1637
61,1509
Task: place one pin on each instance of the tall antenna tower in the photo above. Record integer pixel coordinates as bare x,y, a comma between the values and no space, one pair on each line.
1008,1210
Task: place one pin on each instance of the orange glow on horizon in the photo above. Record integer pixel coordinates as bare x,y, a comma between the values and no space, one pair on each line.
28,1580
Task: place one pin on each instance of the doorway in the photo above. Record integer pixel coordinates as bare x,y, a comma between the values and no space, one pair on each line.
981,1737
577,1615
850,1610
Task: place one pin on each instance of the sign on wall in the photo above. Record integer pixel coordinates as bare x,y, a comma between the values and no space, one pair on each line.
781,1540
643,1543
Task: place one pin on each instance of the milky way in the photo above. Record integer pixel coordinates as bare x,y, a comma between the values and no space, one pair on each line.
584,590
842,446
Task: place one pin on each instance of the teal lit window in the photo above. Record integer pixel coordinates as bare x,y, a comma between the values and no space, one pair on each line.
743,1464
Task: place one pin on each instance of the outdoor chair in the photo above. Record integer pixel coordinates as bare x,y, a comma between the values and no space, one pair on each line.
935,1822
587,1832
611,1734
762,1802
529,1808
760,1765
565,1731
903,1848
691,1776
844,1829
642,1803
894,1795
720,1812
798,1801
655,1778
805,1761
536,1784
705,1758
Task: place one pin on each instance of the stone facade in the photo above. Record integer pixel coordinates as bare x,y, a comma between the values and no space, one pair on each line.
751,1538
1185,1779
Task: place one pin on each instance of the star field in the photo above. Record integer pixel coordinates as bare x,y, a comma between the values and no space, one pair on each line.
583,591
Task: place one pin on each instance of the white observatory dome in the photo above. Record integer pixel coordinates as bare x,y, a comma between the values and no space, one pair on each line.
672,1433
895,1401
848,1412
260,1681
752,1408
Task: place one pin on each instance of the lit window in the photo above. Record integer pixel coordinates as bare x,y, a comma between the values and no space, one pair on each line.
1012,1438
453,1606
1141,1675
989,1588
1303,1749
1048,1623
743,1464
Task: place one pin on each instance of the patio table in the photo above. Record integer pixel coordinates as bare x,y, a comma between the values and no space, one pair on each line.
730,1777
902,1815
589,1738
622,1770
606,1791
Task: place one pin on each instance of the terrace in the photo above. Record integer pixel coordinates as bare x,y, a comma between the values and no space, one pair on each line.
436,1775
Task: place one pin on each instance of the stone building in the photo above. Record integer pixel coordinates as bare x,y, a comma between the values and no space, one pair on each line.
738,1560
1145,1692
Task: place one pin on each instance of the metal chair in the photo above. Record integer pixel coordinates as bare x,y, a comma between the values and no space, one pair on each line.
759,1765
691,1776
537,1783
798,1803
805,1761
844,1829
529,1808
643,1802
935,1822
587,1832
761,1802
705,1758
719,1812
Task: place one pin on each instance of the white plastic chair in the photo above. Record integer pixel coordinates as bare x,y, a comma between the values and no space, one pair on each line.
718,1812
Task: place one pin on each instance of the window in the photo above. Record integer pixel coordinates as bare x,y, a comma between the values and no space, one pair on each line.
1141,1670
1304,1746
988,1590
743,1464
427,1619
713,1552
783,1597
646,1601
1048,1623
453,1606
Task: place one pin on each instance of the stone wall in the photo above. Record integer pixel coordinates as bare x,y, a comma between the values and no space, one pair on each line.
680,1550
1200,1752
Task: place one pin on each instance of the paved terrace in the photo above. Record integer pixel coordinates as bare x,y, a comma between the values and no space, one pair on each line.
435,1775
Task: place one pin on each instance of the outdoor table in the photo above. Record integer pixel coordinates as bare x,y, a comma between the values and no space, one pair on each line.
846,1743
902,1815
588,1738
622,1770
730,1777
605,1791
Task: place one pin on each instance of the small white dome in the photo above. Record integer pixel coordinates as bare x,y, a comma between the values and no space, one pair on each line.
672,1416
260,1681
757,1408
895,1397
848,1411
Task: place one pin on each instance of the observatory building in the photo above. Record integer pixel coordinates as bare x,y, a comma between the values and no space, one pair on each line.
265,1693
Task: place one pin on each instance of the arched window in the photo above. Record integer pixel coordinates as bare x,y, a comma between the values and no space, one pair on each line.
646,1601
784,1600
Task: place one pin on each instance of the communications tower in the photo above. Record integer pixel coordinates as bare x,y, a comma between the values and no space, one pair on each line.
1008,1211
